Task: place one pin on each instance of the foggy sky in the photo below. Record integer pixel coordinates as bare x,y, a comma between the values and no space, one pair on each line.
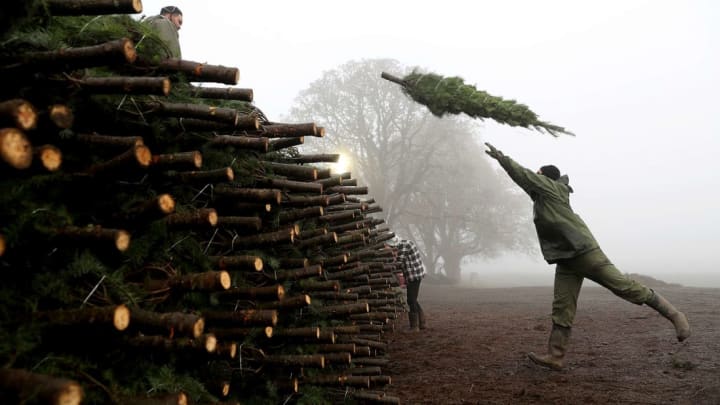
637,81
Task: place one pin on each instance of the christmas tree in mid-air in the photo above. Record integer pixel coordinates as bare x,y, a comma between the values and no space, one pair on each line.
450,95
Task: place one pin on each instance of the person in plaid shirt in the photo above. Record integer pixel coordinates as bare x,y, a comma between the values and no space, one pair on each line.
408,257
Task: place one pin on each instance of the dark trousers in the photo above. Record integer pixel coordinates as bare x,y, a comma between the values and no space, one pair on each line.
413,290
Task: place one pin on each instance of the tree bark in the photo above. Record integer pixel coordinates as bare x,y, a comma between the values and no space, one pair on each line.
244,123
118,316
312,332
287,216
199,72
303,200
296,360
292,171
248,317
123,142
172,324
15,148
290,185
157,86
273,292
22,386
294,302
297,274
110,53
223,175
289,130
313,285
209,281
311,233
337,358
93,7
138,156
283,143
227,116
241,223
348,348
272,196
18,113
260,144
342,216
95,236
200,218
334,199
225,93
345,309
149,210
252,263
327,239
348,190
372,370
318,158
264,239
241,333
182,345
191,160
334,296
330,181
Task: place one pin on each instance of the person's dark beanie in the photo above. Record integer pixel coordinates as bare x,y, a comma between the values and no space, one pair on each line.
550,171
170,10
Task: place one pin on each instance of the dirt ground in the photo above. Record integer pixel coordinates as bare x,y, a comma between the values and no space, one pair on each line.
474,350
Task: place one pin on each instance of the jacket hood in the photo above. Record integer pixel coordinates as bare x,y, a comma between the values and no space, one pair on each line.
564,179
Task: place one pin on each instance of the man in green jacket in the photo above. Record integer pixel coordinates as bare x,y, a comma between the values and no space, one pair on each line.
166,25
567,242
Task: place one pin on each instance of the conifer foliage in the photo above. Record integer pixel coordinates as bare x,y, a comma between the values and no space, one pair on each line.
450,95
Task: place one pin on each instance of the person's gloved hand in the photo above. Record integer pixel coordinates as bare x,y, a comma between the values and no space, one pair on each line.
493,152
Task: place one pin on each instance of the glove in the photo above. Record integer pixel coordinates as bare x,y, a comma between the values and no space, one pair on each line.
493,152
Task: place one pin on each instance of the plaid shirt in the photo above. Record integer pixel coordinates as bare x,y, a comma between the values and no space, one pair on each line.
410,261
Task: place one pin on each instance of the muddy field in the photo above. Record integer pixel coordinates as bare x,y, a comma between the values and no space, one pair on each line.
474,350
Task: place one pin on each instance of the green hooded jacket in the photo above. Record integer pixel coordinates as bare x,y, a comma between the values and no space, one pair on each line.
168,33
561,232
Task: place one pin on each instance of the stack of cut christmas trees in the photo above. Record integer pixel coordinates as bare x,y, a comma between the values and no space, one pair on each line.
164,242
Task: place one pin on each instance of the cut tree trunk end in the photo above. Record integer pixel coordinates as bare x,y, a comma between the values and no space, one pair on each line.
115,52
49,156
137,157
225,93
118,316
15,148
158,86
19,113
200,218
253,263
61,116
95,235
200,72
190,160
209,281
22,386
172,323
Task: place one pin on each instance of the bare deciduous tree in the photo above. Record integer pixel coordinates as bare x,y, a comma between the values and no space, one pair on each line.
429,175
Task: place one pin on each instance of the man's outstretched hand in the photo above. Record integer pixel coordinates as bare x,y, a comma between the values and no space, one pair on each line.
493,152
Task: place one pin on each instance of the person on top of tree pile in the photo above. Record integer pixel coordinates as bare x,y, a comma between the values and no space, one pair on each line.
566,241
408,257
167,24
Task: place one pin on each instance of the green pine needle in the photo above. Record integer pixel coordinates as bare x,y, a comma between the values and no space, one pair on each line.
450,95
